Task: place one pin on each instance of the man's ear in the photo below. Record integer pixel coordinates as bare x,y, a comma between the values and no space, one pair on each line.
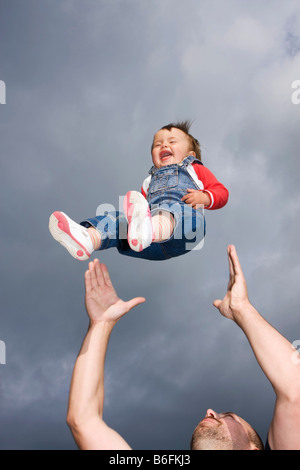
253,447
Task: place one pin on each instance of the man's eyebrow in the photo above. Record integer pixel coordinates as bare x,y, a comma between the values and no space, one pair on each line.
229,413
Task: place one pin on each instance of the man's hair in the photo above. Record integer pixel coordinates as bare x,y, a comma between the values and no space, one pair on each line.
184,126
217,442
256,440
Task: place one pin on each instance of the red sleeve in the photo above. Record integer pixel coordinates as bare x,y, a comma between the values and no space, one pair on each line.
217,192
145,186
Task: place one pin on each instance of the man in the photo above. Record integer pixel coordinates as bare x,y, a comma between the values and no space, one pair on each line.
217,430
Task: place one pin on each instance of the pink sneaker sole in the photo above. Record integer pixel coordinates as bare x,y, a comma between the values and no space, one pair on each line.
71,235
138,216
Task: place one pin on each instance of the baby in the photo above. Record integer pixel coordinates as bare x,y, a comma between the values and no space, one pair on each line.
164,220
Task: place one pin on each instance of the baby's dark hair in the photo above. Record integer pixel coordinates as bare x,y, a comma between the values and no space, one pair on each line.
184,126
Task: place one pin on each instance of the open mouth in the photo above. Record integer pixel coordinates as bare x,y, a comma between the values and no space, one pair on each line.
165,155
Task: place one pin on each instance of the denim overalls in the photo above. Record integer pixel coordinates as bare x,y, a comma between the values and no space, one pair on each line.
167,186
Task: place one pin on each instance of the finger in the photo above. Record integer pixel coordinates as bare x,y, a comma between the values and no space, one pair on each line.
187,199
106,276
217,303
235,260
99,273
92,273
230,263
87,279
190,191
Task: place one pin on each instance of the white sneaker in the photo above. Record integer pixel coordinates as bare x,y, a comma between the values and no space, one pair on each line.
138,216
74,237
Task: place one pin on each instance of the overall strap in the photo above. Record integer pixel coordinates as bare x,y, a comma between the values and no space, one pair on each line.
187,165
152,170
189,159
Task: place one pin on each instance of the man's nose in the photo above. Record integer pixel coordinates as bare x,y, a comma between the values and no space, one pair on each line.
212,413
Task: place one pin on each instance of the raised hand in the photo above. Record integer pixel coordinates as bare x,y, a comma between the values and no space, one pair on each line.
101,300
237,296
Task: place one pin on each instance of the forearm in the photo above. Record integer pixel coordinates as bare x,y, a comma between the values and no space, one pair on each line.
87,385
272,351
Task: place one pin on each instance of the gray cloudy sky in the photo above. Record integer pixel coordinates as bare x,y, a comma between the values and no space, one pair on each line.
87,85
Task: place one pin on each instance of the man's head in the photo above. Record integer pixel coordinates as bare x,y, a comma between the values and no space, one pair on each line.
172,143
225,431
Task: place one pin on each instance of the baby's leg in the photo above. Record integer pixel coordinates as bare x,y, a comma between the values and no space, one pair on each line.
95,237
137,212
163,226
78,240
143,229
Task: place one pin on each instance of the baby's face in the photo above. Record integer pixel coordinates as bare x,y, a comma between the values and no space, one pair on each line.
170,147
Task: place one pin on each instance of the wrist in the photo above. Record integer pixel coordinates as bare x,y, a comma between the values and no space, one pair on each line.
241,311
206,198
102,323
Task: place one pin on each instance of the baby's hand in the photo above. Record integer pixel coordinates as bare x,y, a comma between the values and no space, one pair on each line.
196,198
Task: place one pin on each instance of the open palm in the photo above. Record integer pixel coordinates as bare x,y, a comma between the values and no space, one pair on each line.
101,300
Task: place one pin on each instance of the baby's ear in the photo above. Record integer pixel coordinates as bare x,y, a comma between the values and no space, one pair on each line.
192,153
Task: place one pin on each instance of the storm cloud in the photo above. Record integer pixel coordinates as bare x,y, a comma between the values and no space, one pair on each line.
87,85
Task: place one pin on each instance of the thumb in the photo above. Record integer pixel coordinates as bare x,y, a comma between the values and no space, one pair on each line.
217,303
134,302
